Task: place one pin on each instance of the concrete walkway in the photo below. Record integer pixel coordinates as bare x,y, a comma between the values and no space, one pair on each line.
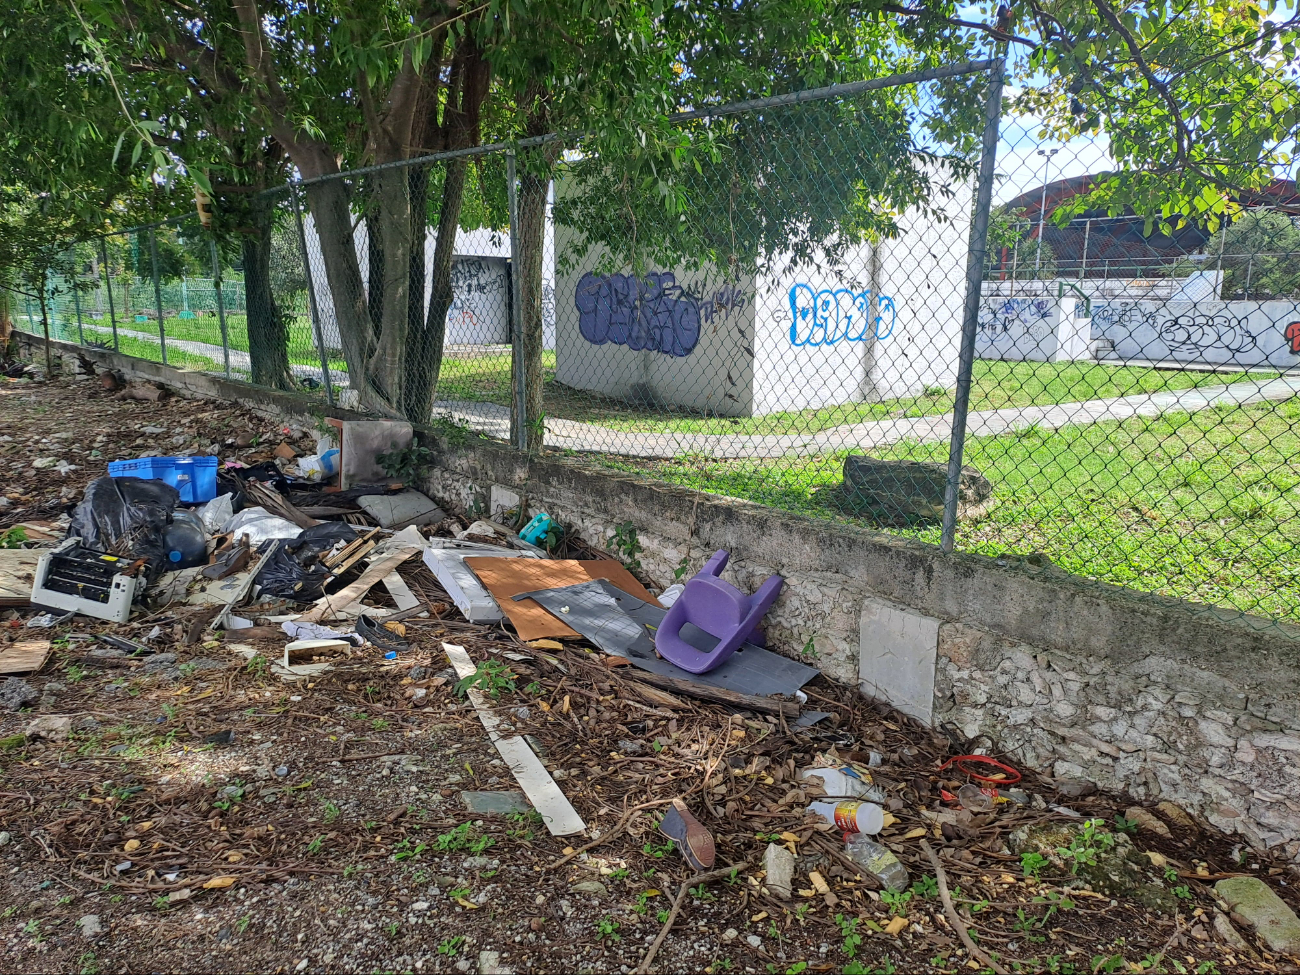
494,420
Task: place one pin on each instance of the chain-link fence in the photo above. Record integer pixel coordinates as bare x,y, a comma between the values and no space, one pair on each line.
791,301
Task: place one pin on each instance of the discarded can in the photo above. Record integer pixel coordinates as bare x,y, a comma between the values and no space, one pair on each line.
851,815
878,860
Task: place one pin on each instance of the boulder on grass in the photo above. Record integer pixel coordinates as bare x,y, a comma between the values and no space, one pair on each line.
908,492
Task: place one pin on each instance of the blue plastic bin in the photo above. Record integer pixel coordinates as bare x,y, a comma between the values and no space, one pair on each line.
194,477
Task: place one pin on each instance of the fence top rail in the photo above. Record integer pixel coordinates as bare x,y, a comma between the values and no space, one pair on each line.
713,111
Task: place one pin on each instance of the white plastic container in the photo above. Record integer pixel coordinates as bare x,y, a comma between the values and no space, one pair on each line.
851,815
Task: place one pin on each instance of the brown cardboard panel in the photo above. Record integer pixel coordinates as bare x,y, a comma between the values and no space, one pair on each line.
505,578
24,657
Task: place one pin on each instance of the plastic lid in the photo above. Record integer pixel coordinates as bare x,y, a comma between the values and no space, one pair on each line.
175,556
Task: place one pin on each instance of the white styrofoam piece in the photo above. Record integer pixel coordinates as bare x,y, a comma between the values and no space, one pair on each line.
551,804
470,596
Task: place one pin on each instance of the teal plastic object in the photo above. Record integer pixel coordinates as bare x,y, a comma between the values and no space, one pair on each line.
537,529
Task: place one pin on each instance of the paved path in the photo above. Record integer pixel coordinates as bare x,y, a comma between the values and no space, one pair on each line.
494,420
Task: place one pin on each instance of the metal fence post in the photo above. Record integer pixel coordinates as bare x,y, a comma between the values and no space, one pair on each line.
979,233
76,303
157,293
311,295
221,304
108,286
520,411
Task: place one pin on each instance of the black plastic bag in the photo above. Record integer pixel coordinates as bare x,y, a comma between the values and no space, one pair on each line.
294,570
127,516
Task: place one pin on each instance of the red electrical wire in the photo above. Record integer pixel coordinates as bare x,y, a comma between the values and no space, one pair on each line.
1009,777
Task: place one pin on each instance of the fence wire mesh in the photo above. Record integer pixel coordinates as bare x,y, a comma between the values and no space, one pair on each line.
780,318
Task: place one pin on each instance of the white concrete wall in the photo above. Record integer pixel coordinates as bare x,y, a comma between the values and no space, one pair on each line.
873,325
1033,330
471,319
1241,333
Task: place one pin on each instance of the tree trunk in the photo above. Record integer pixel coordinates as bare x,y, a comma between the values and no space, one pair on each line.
386,369
374,261
329,201
425,364
533,192
45,327
268,332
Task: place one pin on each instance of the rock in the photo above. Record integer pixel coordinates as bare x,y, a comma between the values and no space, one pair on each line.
630,747
495,803
489,963
158,662
779,863
15,693
907,491
89,927
1176,815
1254,902
1075,788
5,839
593,887
419,673
1230,935
754,941
730,935
53,688
1146,821
55,727
420,906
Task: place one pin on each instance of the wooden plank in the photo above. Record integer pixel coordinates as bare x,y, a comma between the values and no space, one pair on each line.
17,574
721,695
353,559
24,657
551,804
400,591
330,606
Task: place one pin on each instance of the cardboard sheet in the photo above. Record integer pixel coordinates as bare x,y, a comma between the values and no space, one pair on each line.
505,578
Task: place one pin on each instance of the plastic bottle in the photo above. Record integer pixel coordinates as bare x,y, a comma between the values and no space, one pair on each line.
878,860
187,544
845,782
850,815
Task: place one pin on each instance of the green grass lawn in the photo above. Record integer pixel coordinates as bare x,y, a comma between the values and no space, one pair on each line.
1202,506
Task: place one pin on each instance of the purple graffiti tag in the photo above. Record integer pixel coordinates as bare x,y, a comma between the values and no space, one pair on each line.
653,313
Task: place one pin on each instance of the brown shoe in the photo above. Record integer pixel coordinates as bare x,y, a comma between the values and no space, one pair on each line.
691,836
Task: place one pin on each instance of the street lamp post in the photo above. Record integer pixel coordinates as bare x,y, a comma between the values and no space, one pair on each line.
1047,155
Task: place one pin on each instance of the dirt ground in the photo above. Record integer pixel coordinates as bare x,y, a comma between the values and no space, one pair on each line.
205,815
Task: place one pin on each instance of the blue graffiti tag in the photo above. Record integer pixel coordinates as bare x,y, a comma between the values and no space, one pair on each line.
837,315
652,313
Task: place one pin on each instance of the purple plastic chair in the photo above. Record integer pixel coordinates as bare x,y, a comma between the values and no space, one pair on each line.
720,610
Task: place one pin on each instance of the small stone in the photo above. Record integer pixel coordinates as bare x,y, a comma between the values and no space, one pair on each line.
158,662
419,673
302,965
478,863
754,941
1176,815
1146,820
489,963
495,803
779,863
1252,900
5,839
15,693
593,887
420,906
629,747
54,688
89,927
54,727
1230,934
729,935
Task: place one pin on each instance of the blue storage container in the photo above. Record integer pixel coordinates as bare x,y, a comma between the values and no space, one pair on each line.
194,477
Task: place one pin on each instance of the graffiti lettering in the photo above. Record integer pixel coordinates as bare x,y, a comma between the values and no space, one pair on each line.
472,276
1292,335
725,300
1022,314
652,313
839,315
1203,333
